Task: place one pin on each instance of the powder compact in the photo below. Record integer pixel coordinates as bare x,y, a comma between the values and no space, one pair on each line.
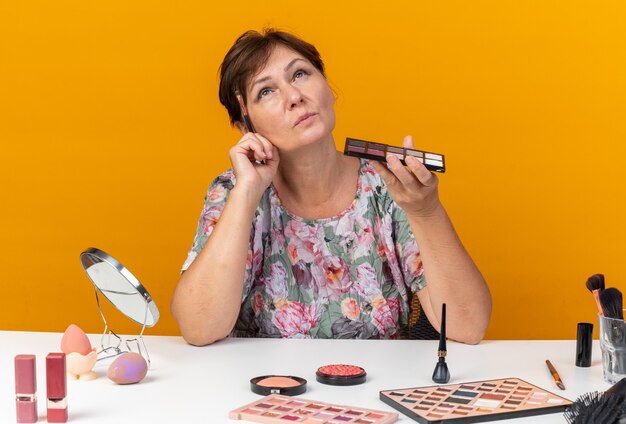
340,375
278,385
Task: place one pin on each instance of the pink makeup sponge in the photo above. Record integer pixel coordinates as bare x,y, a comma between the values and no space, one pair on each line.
128,368
75,340
80,357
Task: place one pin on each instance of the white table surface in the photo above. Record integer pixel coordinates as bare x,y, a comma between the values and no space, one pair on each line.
188,384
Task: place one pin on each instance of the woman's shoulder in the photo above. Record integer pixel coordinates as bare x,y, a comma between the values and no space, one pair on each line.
371,182
220,187
226,179
368,171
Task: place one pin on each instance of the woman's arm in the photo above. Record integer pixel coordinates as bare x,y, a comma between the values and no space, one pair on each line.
452,276
207,299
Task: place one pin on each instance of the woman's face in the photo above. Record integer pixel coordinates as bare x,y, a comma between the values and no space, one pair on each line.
289,101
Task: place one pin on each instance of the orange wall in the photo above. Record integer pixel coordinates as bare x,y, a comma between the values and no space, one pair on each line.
111,131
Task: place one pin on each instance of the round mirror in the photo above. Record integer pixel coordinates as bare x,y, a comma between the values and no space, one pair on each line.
120,287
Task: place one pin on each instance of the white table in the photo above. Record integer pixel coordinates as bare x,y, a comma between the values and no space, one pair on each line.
187,384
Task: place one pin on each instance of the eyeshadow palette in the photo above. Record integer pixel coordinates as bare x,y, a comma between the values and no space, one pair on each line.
283,409
475,402
378,151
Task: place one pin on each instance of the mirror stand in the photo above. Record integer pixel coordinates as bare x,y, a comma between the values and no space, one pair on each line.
122,289
119,345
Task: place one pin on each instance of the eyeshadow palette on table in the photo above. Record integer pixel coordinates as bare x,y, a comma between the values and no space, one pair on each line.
474,402
284,409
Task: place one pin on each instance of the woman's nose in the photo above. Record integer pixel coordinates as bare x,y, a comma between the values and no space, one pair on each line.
293,96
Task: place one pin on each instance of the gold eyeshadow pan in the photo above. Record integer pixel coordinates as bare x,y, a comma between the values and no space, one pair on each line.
475,402
279,409
378,151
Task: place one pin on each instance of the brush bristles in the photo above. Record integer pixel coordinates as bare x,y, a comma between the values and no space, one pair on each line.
596,408
611,301
595,282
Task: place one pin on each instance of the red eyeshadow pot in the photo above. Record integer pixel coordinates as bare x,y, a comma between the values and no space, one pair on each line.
340,375
278,384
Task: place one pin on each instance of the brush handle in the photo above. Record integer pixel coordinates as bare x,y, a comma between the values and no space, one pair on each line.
596,296
442,332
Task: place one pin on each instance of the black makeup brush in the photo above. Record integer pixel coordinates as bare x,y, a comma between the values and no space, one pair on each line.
611,301
613,327
595,284
597,407
441,374
244,112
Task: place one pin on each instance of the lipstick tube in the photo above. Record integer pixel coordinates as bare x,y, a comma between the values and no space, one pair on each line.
25,389
56,388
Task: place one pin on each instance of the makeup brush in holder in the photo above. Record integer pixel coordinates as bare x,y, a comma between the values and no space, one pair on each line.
612,305
441,375
613,332
595,284
599,407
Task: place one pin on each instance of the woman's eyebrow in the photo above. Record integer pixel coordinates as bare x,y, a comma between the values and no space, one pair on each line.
267,78
259,81
290,64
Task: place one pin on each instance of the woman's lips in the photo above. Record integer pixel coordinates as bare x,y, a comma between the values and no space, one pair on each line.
304,118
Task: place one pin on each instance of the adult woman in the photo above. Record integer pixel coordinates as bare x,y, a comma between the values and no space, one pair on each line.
332,250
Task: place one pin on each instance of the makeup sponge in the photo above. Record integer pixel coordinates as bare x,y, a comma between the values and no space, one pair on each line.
128,368
80,357
75,340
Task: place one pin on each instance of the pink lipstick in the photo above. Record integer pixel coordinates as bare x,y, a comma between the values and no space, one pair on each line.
25,389
56,385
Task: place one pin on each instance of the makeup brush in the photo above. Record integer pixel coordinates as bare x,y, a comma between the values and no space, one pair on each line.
597,407
244,112
441,374
595,284
611,301
613,327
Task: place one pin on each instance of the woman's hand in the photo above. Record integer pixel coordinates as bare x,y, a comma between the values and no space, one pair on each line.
413,188
255,161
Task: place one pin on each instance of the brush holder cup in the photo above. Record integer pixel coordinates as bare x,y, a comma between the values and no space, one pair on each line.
613,347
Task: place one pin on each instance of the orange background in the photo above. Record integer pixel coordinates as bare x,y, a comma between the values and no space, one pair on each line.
111,132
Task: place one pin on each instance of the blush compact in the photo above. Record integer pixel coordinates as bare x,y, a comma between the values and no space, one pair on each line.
340,375
278,385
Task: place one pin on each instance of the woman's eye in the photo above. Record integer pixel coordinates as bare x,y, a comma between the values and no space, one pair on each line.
264,92
299,74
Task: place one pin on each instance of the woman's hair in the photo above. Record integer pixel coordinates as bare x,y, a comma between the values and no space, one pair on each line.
248,55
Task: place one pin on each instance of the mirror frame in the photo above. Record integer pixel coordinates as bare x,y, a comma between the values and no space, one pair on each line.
93,256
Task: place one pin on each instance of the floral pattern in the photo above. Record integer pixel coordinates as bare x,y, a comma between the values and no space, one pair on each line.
340,277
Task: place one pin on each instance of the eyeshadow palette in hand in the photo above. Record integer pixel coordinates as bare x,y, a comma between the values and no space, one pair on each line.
378,151
474,402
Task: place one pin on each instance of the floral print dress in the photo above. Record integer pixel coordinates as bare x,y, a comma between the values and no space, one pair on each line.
340,277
